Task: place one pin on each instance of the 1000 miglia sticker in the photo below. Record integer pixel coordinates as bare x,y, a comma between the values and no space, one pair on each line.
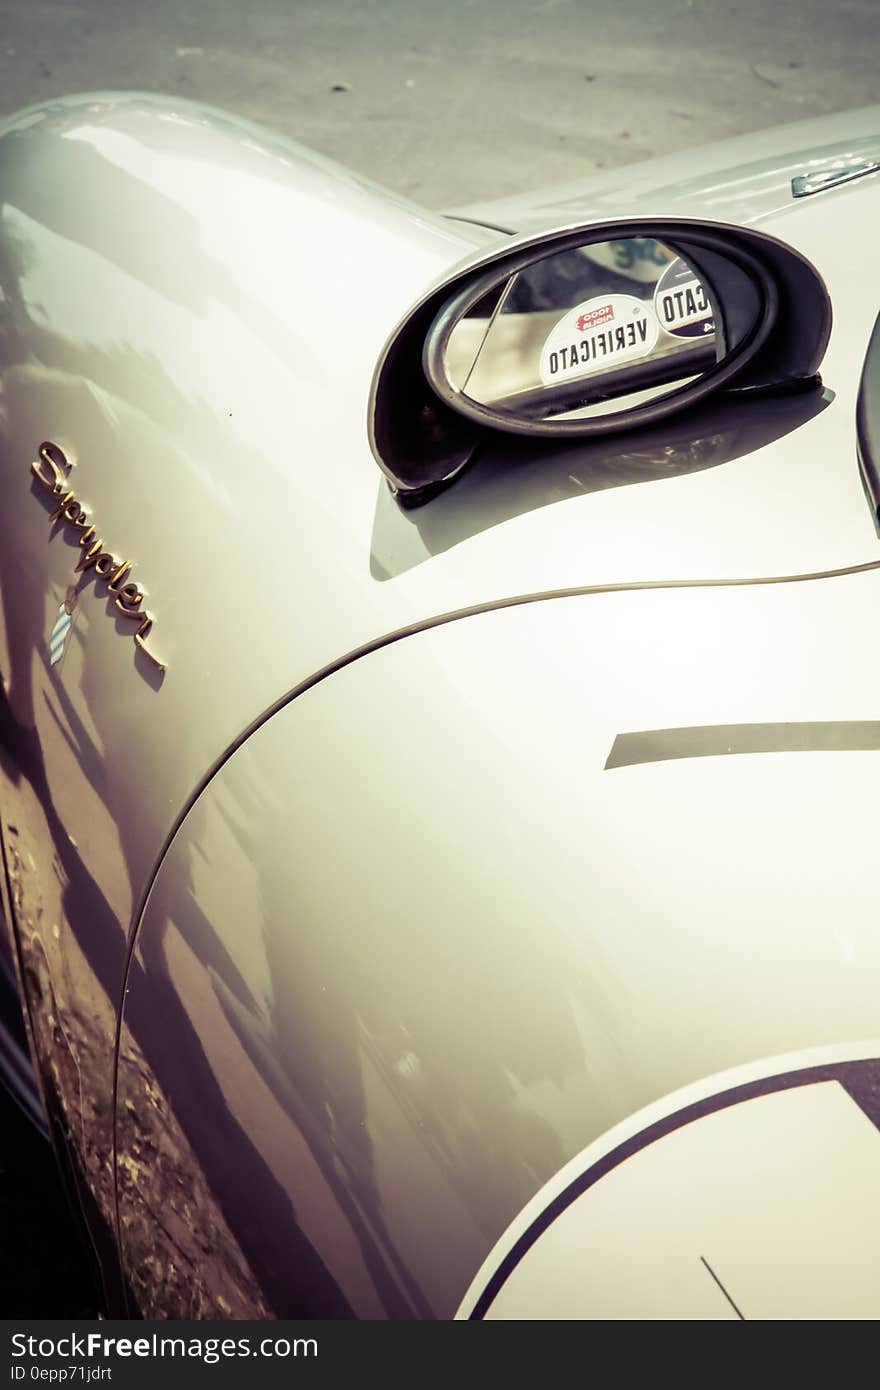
752,1194
599,333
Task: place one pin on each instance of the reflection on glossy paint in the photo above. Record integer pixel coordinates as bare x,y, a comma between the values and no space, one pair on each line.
51,469
354,1041
71,990
429,957
140,332
344,1058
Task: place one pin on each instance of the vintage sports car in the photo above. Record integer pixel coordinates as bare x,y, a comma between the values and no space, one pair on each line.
440,724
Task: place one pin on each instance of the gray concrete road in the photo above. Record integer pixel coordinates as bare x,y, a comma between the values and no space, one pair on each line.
451,100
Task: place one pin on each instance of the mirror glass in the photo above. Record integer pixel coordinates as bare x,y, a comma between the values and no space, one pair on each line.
591,330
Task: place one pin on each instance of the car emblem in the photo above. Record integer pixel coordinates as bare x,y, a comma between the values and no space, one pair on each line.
51,469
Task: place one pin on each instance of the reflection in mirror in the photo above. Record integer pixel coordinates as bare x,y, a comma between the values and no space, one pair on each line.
596,329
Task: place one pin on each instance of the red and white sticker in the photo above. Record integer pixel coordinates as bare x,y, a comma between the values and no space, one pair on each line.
595,318
598,334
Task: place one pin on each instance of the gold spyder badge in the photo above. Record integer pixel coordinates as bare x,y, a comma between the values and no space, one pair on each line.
51,469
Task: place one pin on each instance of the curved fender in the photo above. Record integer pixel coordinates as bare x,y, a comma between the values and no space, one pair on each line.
190,310
423,939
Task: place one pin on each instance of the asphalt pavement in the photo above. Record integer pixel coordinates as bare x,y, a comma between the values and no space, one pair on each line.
449,101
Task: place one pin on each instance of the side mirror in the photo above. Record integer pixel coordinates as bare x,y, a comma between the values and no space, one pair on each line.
595,329
590,330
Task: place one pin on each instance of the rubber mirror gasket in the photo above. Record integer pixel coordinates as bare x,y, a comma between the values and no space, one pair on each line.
451,312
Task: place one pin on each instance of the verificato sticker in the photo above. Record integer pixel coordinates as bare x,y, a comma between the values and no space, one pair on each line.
681,303
599,333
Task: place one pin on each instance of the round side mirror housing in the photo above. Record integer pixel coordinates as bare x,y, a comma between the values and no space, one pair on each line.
590,330
569,340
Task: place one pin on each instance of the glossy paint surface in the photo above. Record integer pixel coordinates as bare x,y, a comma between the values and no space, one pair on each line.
182,303
451,943
192,310
744,179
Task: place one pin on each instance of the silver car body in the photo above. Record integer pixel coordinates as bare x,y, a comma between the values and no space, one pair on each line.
348,936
